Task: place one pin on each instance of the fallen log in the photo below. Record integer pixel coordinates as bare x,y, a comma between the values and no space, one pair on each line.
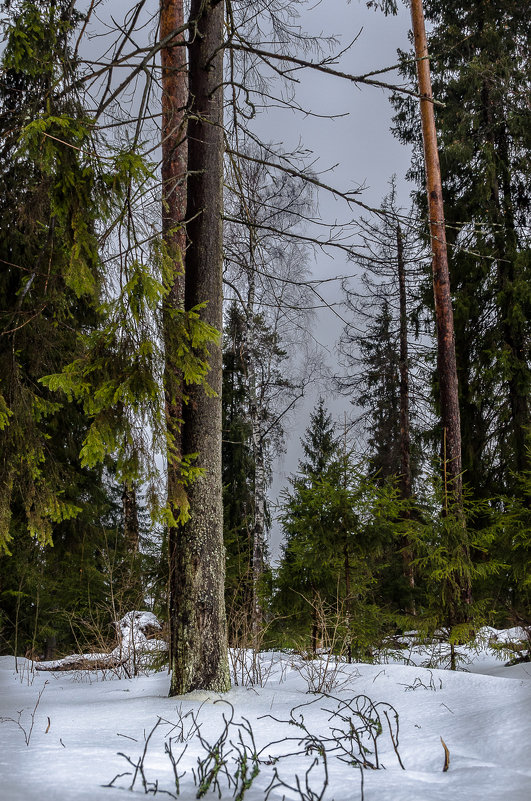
138,644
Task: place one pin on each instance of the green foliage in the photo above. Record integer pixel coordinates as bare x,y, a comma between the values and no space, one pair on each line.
481,73
50,281
73,367
454,559
64,598
238,465
338,523
252,382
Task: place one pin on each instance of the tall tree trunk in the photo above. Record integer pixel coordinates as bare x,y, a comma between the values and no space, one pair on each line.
173,171
405,437
346,561
257,438
446,361
260,479
199,654
130,516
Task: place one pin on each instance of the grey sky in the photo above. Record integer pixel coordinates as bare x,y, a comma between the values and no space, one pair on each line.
360,144
366,153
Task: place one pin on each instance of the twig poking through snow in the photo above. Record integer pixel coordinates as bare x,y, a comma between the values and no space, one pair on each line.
446,756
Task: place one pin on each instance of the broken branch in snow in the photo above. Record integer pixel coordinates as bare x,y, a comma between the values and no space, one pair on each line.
27,732
446,756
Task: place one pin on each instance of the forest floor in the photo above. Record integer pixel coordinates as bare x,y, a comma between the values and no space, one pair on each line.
85,731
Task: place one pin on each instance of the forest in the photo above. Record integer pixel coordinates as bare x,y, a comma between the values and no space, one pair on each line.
159,327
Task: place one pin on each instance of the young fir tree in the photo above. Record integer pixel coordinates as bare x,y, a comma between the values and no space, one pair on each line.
252,381
378,369
337,525
50,282
379,393
308,569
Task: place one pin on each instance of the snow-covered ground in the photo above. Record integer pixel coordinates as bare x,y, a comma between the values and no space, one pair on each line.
71,748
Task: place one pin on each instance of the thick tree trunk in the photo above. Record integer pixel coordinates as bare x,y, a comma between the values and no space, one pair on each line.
446,361
199,655
174,100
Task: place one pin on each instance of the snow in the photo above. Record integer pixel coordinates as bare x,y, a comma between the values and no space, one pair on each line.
133,650
82,723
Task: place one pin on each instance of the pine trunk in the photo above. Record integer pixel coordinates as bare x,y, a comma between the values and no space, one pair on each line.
173,172
199,655
446,361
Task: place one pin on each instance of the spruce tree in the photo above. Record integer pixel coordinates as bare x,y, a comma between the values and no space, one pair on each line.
337,525
320,445
57,197
50,279
308,571
50,273
379,393
480,66
238,472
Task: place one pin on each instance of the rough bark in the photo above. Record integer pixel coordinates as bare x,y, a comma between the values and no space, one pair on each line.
174,99
199,654
173,172
446,361
446,358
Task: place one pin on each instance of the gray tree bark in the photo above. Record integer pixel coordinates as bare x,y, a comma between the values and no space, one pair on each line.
199,652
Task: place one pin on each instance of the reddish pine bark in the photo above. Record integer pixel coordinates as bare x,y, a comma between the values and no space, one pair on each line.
174,84
446,361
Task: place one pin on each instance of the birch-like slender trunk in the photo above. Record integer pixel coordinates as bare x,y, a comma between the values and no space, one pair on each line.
257,439
405,436
199,652
260,481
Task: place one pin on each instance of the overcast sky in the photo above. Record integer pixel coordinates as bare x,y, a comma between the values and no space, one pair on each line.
359,143
367,155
